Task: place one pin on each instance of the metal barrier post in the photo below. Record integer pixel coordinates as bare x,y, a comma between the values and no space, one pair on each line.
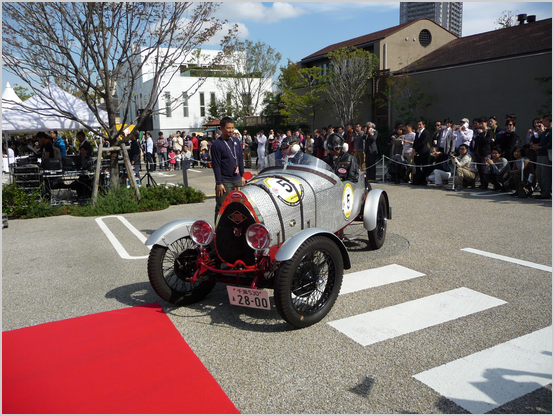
186,164
383,160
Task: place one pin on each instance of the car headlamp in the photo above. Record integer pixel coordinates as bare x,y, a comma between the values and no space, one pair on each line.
257,237
201,233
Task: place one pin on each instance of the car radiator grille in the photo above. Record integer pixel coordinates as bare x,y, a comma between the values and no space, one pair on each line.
230,234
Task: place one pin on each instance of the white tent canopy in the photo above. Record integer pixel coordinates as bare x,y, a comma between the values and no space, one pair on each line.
36,114
9,98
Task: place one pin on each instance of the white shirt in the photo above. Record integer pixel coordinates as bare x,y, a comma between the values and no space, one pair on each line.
465,137
409,146
11,155
443,136
261,144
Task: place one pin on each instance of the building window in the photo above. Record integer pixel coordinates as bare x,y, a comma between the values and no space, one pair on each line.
202,105
424,38
185,105
168,104
212,99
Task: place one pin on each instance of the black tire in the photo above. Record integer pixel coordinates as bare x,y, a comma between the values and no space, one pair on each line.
307,285
377,236
172,282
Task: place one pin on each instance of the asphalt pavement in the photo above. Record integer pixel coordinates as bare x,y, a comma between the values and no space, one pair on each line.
63,267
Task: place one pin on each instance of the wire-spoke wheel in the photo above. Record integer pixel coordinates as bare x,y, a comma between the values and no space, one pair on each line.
377,236
170,270
307,285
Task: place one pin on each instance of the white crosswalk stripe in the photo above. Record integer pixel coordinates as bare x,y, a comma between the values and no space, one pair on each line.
490,378
380,325
379,276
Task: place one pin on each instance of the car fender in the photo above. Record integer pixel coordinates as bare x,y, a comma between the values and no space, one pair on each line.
289,247
169,233
370,208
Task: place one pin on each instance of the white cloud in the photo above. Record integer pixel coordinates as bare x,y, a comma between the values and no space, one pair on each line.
258,12
243,33
350,7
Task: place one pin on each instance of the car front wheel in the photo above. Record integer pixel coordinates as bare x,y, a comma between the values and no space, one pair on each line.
170,270
307,285
376,237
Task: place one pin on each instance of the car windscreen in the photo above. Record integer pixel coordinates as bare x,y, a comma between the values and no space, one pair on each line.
280,161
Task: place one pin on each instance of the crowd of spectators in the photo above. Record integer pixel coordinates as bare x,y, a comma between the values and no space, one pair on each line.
509,160
482,153
503,158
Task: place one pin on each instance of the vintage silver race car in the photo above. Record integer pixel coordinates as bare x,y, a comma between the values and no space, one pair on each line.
285,230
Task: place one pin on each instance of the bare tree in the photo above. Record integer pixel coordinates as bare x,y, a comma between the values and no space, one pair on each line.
351,68
89,48
506,20
250,78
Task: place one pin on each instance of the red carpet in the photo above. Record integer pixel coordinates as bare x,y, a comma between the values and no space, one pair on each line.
130,360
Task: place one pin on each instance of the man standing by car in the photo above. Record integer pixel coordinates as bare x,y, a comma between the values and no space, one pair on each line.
227,162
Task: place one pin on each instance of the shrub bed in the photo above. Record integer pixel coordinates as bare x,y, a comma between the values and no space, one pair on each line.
19,204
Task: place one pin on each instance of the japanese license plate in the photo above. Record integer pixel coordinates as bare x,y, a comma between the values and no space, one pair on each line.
251,298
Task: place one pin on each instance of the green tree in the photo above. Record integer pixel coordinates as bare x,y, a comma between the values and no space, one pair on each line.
247,82
302,95
406,95
348,79
22,92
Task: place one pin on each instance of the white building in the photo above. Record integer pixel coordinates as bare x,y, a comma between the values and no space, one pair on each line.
176,109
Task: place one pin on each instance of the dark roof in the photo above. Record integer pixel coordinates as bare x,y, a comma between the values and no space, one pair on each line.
215,122
502,43
366,39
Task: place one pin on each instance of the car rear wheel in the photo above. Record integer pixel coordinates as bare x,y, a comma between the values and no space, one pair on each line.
307,285
377,236
170,270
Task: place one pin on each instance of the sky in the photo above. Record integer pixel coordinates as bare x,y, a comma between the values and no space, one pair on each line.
297,29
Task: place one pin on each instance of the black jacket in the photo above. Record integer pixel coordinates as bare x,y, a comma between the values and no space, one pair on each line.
422,143
483,143
371,143
507,142
345,166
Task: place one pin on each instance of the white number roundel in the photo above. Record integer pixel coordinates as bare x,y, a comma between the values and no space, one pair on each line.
284,190
347,200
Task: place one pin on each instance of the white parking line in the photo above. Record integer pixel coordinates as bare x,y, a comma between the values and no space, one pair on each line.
376,326
490,378
490,193
509,259
115,242
379,276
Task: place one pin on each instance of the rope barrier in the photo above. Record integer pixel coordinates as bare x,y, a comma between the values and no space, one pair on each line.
475,163
453,164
